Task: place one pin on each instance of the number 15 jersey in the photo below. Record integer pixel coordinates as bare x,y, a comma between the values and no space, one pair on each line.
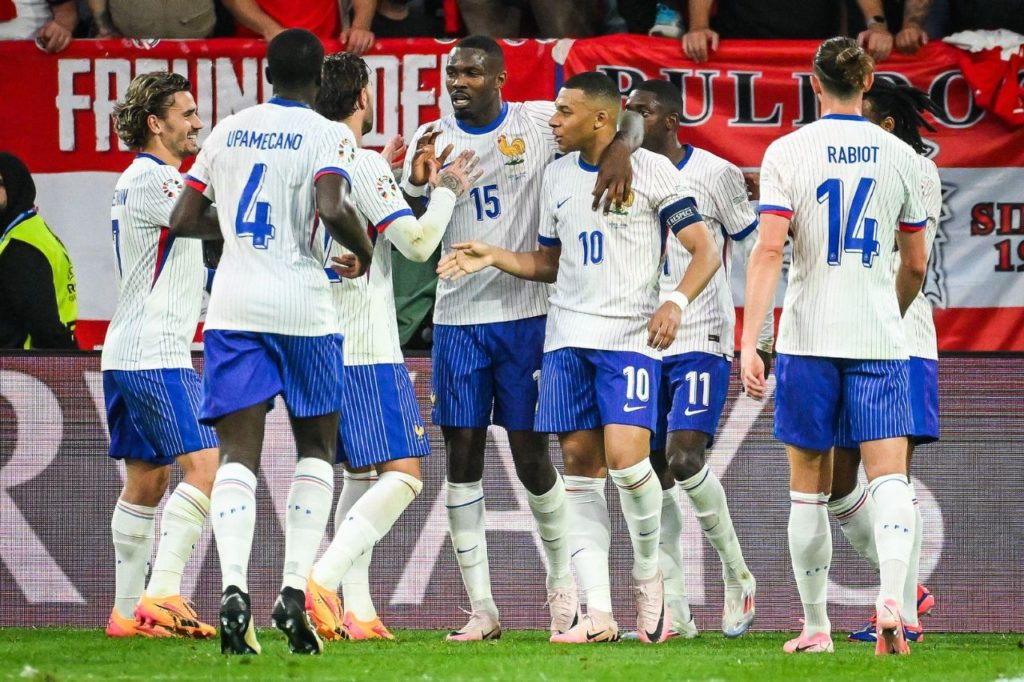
259,166
847,186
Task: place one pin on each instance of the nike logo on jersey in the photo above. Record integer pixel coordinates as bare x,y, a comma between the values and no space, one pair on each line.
689,413
633,408
559,204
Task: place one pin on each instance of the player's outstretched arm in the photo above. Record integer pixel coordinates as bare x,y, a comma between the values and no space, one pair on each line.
763,271
766,338
417,238
194,216
469,257
341,219
913,263
696,238
615,169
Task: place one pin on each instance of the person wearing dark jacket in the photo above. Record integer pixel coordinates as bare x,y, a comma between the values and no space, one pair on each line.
38,301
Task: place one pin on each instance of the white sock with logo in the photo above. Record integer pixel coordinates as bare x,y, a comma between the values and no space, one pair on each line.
467,517
309,508
551,511
707,496
590,537
180,527
670,559
810,549
640,497
131,529
355,585
855,514
233,517
894,533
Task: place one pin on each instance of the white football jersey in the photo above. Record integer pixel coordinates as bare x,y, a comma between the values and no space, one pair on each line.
847,186
366,306
259,166
918,323
160,278
709,322
500,209
610,266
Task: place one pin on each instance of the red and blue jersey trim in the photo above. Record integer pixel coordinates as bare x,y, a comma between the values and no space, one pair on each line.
775,210
913,227
745,232
387,220
163,248
195,183
328,170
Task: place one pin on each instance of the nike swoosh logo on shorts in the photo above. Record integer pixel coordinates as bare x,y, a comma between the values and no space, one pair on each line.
559,204
688,413
633,408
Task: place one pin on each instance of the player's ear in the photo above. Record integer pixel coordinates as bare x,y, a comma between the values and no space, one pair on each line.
888,124
266,73
815,84
364,98
154,125
499,80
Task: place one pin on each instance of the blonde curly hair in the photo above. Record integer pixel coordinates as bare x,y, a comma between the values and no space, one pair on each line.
148,94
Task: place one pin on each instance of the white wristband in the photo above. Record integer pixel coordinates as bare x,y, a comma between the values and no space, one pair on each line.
679,298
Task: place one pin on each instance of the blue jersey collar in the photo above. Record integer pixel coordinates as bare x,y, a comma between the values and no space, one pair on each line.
144,155
487,128
282,102
844,117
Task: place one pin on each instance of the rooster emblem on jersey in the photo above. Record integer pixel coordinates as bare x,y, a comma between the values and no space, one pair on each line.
623,208
514,150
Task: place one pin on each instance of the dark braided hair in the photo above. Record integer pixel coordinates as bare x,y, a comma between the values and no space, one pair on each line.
906,105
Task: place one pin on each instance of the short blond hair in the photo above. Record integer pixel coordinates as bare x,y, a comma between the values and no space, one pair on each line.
148,94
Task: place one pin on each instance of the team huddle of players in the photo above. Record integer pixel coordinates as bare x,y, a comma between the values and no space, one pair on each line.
626,357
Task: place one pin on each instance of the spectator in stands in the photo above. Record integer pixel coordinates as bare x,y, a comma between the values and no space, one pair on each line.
504,18
153,18
919,21
267,18
406,19
38,301
780,19
49,22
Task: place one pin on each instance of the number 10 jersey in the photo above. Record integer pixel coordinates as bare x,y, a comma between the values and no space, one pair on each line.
259,167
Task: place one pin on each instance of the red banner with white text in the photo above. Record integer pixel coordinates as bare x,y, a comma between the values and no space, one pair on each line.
56,116
752,92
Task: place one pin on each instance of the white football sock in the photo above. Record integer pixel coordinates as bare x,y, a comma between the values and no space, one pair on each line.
910,585
369,519
551,511
894,533
590,537
131,529
233,517
855,514
669,557
707,496
180,527
355,585
810,549
640,497
309,508
467,528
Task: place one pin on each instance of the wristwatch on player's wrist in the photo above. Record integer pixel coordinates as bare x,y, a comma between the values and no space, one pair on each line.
877,20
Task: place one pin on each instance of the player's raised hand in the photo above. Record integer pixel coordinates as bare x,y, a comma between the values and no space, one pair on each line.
464,259
752,375
394,150
459,175
425,161
661,330
614,177
348,266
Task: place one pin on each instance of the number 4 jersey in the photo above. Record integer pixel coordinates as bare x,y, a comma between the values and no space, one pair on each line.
847,186
259,167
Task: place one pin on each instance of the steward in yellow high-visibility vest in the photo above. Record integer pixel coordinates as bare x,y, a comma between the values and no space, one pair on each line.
38,301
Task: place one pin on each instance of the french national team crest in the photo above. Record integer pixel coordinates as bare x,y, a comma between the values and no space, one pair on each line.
621,209
386,187
513,151
171,187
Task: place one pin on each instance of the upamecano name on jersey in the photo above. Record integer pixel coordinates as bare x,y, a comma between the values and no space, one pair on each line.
258,140
852,154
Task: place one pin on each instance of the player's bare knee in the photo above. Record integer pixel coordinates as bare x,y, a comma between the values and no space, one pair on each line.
145,486
686,453
199,469
845,465
410,466
661,468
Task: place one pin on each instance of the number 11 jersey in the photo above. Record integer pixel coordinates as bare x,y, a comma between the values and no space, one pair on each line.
847,186
259,167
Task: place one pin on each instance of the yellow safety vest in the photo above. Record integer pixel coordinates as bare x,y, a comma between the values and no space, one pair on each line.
31,229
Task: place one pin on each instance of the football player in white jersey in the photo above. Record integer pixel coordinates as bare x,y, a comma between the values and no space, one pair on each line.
271,327
847,193
605,331
695,368
381,427
489,330
898,108
151,391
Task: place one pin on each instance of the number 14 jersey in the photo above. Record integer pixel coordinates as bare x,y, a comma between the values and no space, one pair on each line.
847,186
259,166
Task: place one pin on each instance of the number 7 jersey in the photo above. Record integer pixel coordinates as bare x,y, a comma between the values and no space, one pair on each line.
847,186
259,167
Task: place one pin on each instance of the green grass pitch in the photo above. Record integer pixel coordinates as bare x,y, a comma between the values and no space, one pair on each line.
86,654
